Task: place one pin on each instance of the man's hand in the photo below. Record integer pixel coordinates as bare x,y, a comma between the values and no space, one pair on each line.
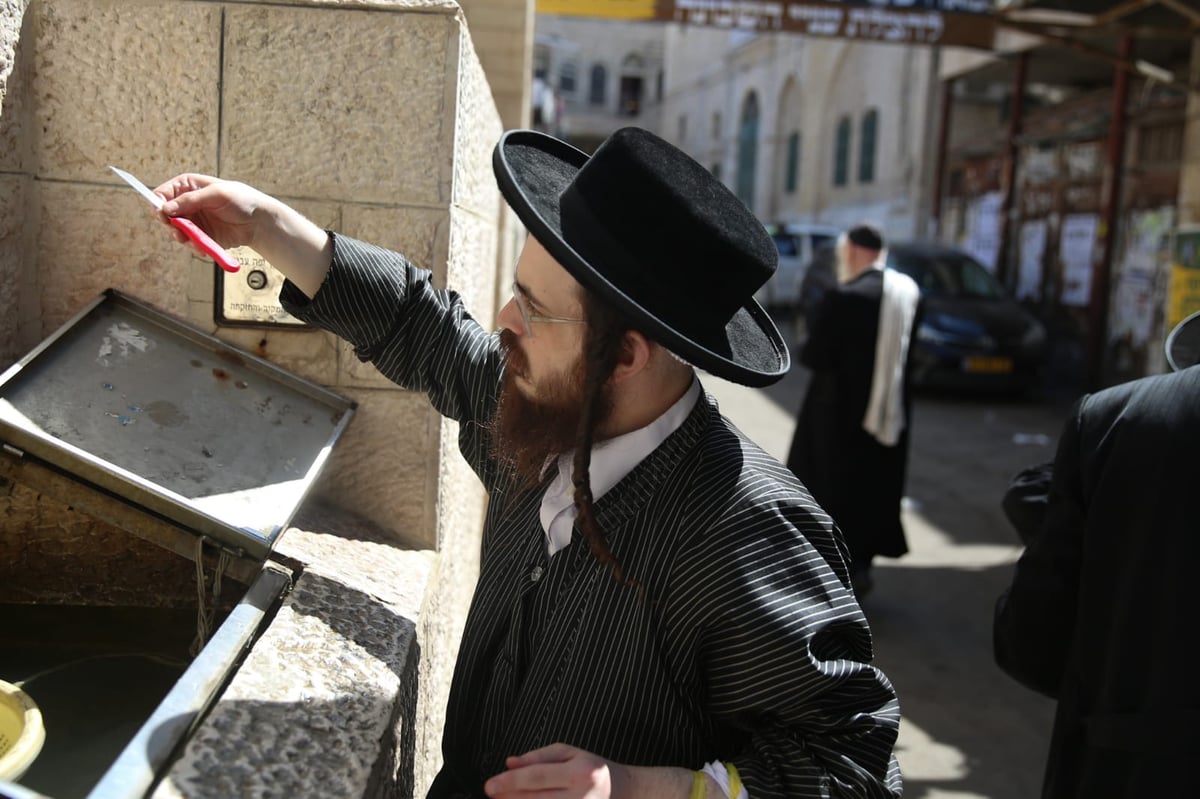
559,771
235,214
223,208
556,771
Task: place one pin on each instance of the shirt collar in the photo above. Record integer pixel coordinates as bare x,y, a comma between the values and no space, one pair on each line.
616,457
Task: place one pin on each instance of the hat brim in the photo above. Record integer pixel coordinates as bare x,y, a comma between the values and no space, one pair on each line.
533,170
1183,343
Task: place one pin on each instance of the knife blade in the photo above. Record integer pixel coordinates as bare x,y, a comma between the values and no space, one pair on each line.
187,226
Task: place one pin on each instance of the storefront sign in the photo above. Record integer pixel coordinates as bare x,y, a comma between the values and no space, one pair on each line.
966,23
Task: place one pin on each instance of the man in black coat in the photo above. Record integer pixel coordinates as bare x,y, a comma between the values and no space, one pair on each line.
661,609
1102,602
855,474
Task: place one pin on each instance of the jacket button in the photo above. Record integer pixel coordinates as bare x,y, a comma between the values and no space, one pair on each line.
536,574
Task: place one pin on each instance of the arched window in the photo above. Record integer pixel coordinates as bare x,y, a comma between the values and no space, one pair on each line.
597,88
841,153
747,161
866,146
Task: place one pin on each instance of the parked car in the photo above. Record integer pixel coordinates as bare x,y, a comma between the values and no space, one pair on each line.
972,334
796,244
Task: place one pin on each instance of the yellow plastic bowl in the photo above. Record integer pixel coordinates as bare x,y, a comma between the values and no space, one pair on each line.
21,731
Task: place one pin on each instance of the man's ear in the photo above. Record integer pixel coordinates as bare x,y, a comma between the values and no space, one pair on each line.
636,350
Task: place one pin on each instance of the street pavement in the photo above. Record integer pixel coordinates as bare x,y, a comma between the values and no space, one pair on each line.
968,731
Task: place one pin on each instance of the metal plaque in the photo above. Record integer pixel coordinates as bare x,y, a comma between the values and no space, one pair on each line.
250,296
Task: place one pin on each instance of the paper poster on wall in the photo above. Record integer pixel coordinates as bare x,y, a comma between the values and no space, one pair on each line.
983,229
1033,250
1076,245
1134,302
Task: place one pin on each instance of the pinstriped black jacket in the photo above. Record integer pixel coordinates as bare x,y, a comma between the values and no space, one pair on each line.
741,640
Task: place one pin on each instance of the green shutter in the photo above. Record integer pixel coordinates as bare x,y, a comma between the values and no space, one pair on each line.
791,175
866,155
841,156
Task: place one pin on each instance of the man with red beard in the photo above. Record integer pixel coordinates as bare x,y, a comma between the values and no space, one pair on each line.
662,610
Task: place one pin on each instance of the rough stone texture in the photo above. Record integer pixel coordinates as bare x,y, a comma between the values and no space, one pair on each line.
96,237
474,241
364,129
18,292
502,31
312,354
419,233
15,66
110,87
18,285
318,701
477,131
384,466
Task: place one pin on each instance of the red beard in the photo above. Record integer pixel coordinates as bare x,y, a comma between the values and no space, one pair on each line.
528,431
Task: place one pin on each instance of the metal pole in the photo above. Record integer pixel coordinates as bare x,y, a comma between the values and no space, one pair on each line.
939,173
1111,205
1015,121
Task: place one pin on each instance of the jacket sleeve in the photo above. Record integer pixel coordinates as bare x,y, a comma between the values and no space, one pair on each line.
1025,500
786,657
418,337
1035,618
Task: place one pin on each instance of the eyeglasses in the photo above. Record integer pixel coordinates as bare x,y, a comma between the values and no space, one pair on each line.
528,318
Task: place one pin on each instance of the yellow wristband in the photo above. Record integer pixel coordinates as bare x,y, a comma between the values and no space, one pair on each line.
735,781
699,786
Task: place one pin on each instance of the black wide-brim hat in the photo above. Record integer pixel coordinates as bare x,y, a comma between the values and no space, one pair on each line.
653,233
1183,343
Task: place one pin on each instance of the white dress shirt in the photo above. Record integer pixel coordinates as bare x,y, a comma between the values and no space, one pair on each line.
611,460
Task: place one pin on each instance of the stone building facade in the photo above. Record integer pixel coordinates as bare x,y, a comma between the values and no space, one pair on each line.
603,74
803,130
806,130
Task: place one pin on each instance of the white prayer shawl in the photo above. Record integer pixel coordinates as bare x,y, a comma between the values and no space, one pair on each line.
897,308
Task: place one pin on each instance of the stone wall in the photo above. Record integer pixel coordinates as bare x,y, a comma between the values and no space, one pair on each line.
502,31
393,148
375,118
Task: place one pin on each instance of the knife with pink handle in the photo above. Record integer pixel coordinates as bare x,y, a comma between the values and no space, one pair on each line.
189,228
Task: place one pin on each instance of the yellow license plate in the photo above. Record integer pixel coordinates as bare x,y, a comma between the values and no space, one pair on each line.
987,364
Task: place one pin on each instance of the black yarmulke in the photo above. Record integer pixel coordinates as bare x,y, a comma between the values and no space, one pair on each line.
865,236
